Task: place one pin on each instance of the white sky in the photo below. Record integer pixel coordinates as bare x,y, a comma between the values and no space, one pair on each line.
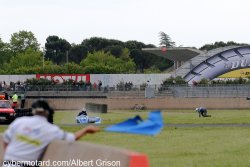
187,22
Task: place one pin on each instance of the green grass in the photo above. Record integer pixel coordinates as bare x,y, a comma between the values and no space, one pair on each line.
200,146
170,117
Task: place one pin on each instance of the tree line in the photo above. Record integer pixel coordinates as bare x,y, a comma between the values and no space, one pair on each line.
96,55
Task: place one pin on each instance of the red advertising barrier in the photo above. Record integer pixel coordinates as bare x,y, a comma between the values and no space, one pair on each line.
64,77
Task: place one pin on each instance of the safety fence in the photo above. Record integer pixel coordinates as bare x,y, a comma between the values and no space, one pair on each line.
210,91
177,91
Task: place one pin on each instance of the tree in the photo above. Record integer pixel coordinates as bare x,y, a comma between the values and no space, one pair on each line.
134,45
104,63
125,54
77,53
144,60
136,54
5,53
2,44
57,49
115,50
165,40
22,40
25,62
98,44
220,44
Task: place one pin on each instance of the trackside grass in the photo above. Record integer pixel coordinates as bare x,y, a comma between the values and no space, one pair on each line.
170,116
178,146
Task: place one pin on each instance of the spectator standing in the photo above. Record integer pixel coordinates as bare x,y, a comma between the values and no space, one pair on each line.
95,86
23,97
4,85
12,86
88,86
100,85
14,100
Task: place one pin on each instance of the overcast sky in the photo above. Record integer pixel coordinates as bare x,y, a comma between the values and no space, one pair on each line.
187,22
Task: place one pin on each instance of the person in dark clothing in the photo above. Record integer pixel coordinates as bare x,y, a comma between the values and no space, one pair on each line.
100,85
202,112
6,96
83,112
23,97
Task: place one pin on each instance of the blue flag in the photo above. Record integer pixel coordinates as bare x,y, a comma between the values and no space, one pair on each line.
136,125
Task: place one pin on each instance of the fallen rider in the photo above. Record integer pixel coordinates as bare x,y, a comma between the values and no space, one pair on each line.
83,118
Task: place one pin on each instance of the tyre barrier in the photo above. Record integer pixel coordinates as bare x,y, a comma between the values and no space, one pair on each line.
87,154
218,62
96,108
23,112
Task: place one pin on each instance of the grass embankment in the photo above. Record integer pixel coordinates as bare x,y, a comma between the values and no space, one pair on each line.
227,146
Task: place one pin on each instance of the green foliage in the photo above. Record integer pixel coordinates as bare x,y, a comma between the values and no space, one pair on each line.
53,69
40,81
162,63
97,44
22,40
219,44
77,53
5,53
129,49
114,50
172,80
125,54
204,81
134,45
152,69
22,56
142,60
74,68
71,68
101,62
29,58
25,62
57,49
97,69
23,70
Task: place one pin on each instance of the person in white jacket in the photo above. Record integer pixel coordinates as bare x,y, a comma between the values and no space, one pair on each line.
27,137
